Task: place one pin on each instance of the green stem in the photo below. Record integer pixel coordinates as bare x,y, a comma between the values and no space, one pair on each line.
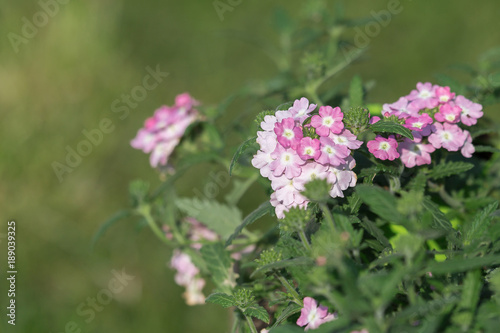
304,240
145,211
290,289
250,323
328,215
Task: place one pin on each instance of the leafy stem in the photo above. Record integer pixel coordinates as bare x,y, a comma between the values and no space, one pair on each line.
251,325
145,211
291,290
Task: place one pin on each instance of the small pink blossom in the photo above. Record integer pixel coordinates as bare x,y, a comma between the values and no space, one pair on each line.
186,270
144,140
414,153
286,161
468,148
310,171
448,136
313,315
308,148
301,109
185,101
420,124
342,177
449,113
329,120
424,96
332,153
444,95
194,294
162,152
263,159
384,149
374,119
346,138
287,133
471,111
287,190
402,109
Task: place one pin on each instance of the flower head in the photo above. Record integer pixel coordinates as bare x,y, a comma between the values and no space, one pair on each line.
332,153
301,109
420,124
329,120
424,96
448,136
313,315
286,161
449,113
471,111
384,149
414,153
287,133
308,148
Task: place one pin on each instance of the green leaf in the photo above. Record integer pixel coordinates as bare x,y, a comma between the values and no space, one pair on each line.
375,232
356,92
480,223
486,149
221,299
449,168
380,202
390,127
258,312
440,220
290,310
218,263
288,328
240,151
220,218
107,224
301,261
457,265
263,209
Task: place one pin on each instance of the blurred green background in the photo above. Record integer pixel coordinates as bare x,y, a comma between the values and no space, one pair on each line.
65,78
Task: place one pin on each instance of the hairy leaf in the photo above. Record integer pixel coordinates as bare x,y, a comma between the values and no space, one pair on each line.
221,299
258,312
390,127
218,263
449,168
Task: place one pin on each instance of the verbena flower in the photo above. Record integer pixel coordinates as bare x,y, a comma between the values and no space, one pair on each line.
301,109
402,109
448,136
346,138
163,131
287,133
329,120
287,162
384,148
414,153
332,153
468,148
312,315
449,113
309,148
424,96
471,111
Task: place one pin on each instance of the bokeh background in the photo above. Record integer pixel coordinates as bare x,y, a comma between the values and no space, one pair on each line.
65,78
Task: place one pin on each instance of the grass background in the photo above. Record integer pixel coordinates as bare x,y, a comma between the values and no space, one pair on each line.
64,80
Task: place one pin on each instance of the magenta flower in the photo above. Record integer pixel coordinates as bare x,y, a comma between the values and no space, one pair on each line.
468,148
448,136
308,148
374,119
402,109
301,109
313,315
420,124
185,101
424,96
346,138
329,120
444,95
287,133
384,149
449,113
331,153
414,152
471,111
144,140
286,161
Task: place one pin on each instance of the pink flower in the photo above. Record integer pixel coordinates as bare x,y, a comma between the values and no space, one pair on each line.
449,113
287,133
342,177
193,294
468,148
414,152
144,140
313,315
287,190
162,152
185,101
301,109
310,171
420,124
448,136
346,138
286,161
384,149
308,148
424,96
444,95
364,330
471,111
402,109
185,268
331,153
374,119
198,233
329,120
263,158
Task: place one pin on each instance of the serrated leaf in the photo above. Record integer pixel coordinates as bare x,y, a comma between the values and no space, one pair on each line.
479,224
262,210
301,261
486,149
457,265
107,224
290,310
390,127
240,151
220,218
448,169
218,263
440,220
380,202
258,312
221,299
356,92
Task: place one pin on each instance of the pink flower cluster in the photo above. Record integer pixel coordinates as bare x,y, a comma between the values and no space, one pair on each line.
163,131
188,276
432,113
290,158
313,315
